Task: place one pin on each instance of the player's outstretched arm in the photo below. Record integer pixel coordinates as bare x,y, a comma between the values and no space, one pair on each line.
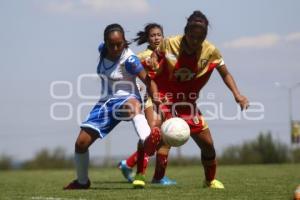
230,83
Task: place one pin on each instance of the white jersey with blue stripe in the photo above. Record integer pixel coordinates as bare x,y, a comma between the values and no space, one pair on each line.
118,78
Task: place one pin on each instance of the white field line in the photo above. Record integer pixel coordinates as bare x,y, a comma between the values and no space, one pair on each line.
53,198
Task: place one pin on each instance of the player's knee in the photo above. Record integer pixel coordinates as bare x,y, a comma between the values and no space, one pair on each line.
133,107
81,146
155,123
163,149
152,124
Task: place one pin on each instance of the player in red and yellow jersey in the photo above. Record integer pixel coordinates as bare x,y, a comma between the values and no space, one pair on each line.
185,65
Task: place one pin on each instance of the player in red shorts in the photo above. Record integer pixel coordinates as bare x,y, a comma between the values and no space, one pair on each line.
186,63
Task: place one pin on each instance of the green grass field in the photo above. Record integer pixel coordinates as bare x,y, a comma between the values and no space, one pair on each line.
241,182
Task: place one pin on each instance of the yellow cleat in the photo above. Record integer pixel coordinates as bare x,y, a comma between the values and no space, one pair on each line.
215,184
139,181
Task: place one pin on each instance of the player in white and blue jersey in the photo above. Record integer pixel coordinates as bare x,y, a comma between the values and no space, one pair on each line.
119,100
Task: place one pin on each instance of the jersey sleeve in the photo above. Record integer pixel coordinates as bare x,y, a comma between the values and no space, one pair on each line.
144,54
217,58
101,47
133,65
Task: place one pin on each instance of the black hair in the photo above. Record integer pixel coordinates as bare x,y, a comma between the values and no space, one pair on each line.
108,29
142,36
197,19
115,27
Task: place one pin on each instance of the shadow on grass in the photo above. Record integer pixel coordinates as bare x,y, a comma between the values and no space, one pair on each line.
111,182
122,185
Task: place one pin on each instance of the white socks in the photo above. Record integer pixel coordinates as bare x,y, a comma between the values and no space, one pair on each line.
141,126
82,165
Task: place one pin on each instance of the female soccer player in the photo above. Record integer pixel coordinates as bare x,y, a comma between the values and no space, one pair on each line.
186,63
120,100
153,35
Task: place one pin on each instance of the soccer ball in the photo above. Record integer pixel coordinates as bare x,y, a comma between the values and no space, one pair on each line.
175,131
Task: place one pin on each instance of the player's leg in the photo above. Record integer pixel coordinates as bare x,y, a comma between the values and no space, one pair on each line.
151,114
153,121
149,136
149,139
161,166
162,152
208,157
85,138
146,148
133,108
126,165
139,179
99,123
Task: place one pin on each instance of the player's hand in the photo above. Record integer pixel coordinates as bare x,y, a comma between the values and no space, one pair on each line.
243,101
154,60
157,102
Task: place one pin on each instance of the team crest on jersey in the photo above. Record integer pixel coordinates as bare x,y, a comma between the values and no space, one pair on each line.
196,120
184,74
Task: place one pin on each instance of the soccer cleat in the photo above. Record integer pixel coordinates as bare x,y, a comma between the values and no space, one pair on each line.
139,181
126,171
75,185
164,181
215,184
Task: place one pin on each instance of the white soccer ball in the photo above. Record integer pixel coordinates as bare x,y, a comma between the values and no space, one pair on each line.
175,131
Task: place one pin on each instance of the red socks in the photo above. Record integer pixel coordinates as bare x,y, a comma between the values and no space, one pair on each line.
210,168
152,141
147,149
160,167
131,161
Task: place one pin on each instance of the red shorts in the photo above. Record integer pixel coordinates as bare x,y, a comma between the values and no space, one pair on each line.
191,115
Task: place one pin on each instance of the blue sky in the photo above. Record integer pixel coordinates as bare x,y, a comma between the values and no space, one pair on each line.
43,42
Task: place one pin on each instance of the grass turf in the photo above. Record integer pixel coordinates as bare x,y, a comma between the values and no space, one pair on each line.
259,182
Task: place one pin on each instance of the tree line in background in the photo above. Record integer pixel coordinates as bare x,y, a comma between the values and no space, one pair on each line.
263,150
